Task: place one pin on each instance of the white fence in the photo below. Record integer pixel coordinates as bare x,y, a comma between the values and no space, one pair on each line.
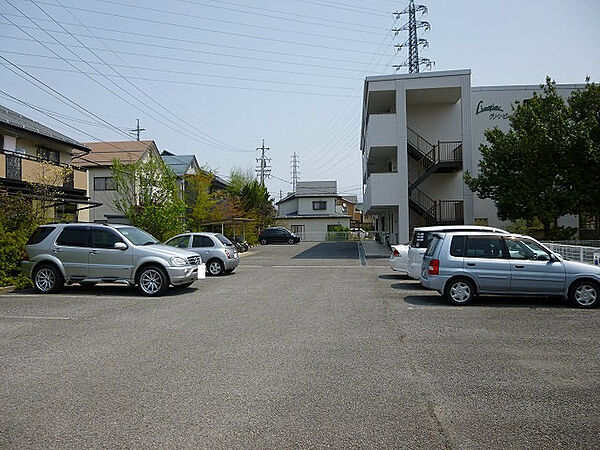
581,253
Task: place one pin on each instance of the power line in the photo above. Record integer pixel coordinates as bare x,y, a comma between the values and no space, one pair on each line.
181,131
190,41
179,72
208,30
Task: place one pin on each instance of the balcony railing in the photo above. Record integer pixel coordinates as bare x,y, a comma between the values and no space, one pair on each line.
13,167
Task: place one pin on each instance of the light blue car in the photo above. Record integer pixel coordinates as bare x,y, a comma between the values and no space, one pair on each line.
463,265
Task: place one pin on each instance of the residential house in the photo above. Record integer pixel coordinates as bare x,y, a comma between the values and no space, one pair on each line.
100,176
37,162
311,211
183,165
347,205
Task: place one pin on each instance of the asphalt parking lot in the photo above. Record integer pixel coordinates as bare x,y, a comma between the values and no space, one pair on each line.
302,346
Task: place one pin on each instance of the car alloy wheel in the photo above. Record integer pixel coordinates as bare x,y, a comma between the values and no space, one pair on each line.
45,279
586,294
263,241
215,268
151,281
460,292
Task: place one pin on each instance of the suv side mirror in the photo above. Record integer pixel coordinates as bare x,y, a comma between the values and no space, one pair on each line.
554,258
120,246
543,257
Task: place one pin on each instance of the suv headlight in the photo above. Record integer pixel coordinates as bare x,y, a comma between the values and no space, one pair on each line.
178,261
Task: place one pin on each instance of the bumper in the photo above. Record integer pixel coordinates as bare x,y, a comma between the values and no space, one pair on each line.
414,271
397,265
181,275
231,264
434,283
27,267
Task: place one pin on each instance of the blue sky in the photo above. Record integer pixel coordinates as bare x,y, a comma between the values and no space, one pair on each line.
214,77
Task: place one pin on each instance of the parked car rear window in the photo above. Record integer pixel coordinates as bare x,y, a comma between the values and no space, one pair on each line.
74,237
223,239
435,240
457,246
484,247
39,235
202,241
421,239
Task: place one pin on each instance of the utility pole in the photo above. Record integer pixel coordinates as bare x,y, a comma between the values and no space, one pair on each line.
280,194
295,164
413,62
263,169
137,130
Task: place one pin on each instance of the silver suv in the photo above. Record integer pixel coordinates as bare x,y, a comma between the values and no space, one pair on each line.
463,265
91,253
217,252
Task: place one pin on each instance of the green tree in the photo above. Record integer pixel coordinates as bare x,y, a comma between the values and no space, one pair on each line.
527,171
585,155
148,196
200,199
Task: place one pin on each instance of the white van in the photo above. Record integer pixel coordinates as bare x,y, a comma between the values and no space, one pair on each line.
422,236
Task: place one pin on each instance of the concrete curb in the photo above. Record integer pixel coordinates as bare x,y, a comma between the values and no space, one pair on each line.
7,289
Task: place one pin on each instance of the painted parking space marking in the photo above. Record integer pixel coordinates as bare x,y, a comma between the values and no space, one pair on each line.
35,317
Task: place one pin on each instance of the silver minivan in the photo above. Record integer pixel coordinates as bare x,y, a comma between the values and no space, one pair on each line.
217,252
87,254
421,238
463,265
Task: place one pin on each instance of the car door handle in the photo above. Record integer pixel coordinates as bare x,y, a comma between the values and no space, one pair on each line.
519,266
57,250
93,252
471,264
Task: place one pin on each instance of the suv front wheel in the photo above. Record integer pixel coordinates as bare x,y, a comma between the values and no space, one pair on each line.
47,279
153,281
459,291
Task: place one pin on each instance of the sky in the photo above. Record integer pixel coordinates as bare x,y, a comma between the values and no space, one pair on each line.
214,78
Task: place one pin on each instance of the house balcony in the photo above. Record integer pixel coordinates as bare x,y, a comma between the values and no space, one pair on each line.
18,167
382,190
381,131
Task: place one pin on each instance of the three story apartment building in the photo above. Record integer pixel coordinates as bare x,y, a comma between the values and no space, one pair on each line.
420,133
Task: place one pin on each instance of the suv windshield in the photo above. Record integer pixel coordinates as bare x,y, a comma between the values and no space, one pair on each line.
137,236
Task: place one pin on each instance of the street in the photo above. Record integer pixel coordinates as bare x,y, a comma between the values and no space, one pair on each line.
302,346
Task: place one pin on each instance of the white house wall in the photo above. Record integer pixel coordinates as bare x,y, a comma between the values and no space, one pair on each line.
305,205
314,229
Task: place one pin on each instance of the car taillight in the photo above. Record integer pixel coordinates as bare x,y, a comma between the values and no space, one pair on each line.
434,267
396,253
228,254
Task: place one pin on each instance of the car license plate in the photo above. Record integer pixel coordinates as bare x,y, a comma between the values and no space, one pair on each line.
202,271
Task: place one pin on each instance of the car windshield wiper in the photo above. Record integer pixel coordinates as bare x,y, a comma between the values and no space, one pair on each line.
150,243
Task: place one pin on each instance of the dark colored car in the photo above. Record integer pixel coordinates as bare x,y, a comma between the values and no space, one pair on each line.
277,234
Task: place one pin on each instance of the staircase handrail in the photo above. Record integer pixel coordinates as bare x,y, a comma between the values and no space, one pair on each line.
418,141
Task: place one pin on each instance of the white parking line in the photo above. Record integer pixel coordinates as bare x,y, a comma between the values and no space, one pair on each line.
35,317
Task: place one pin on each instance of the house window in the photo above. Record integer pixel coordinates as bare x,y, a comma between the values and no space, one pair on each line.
320,205
104,184
47,154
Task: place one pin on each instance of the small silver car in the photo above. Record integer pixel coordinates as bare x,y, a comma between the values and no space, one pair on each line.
91,253
217,252
462,265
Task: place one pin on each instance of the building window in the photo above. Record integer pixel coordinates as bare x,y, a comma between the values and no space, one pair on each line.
104,184
320,205
47,154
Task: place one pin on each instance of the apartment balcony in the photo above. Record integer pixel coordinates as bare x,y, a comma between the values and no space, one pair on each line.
17,167
382,190
381,131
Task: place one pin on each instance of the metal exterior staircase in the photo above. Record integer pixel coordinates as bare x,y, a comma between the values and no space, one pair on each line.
444,156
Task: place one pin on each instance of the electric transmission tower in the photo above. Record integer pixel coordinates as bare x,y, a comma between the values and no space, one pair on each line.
413,62
295,164
263,168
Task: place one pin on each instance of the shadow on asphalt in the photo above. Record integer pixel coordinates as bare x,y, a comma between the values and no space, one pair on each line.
394,276
116,290
498,302
415,286
330,250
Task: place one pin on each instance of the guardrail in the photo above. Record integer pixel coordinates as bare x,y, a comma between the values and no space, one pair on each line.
581,253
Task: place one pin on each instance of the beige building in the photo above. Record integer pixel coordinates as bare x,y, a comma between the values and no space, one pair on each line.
37,162
100,176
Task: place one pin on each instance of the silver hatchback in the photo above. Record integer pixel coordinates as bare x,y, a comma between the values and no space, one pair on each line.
217,252
462,265
91,253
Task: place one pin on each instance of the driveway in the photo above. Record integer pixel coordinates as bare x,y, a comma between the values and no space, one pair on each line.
296,351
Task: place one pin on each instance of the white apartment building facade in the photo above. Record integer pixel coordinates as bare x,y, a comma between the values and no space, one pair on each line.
420,133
